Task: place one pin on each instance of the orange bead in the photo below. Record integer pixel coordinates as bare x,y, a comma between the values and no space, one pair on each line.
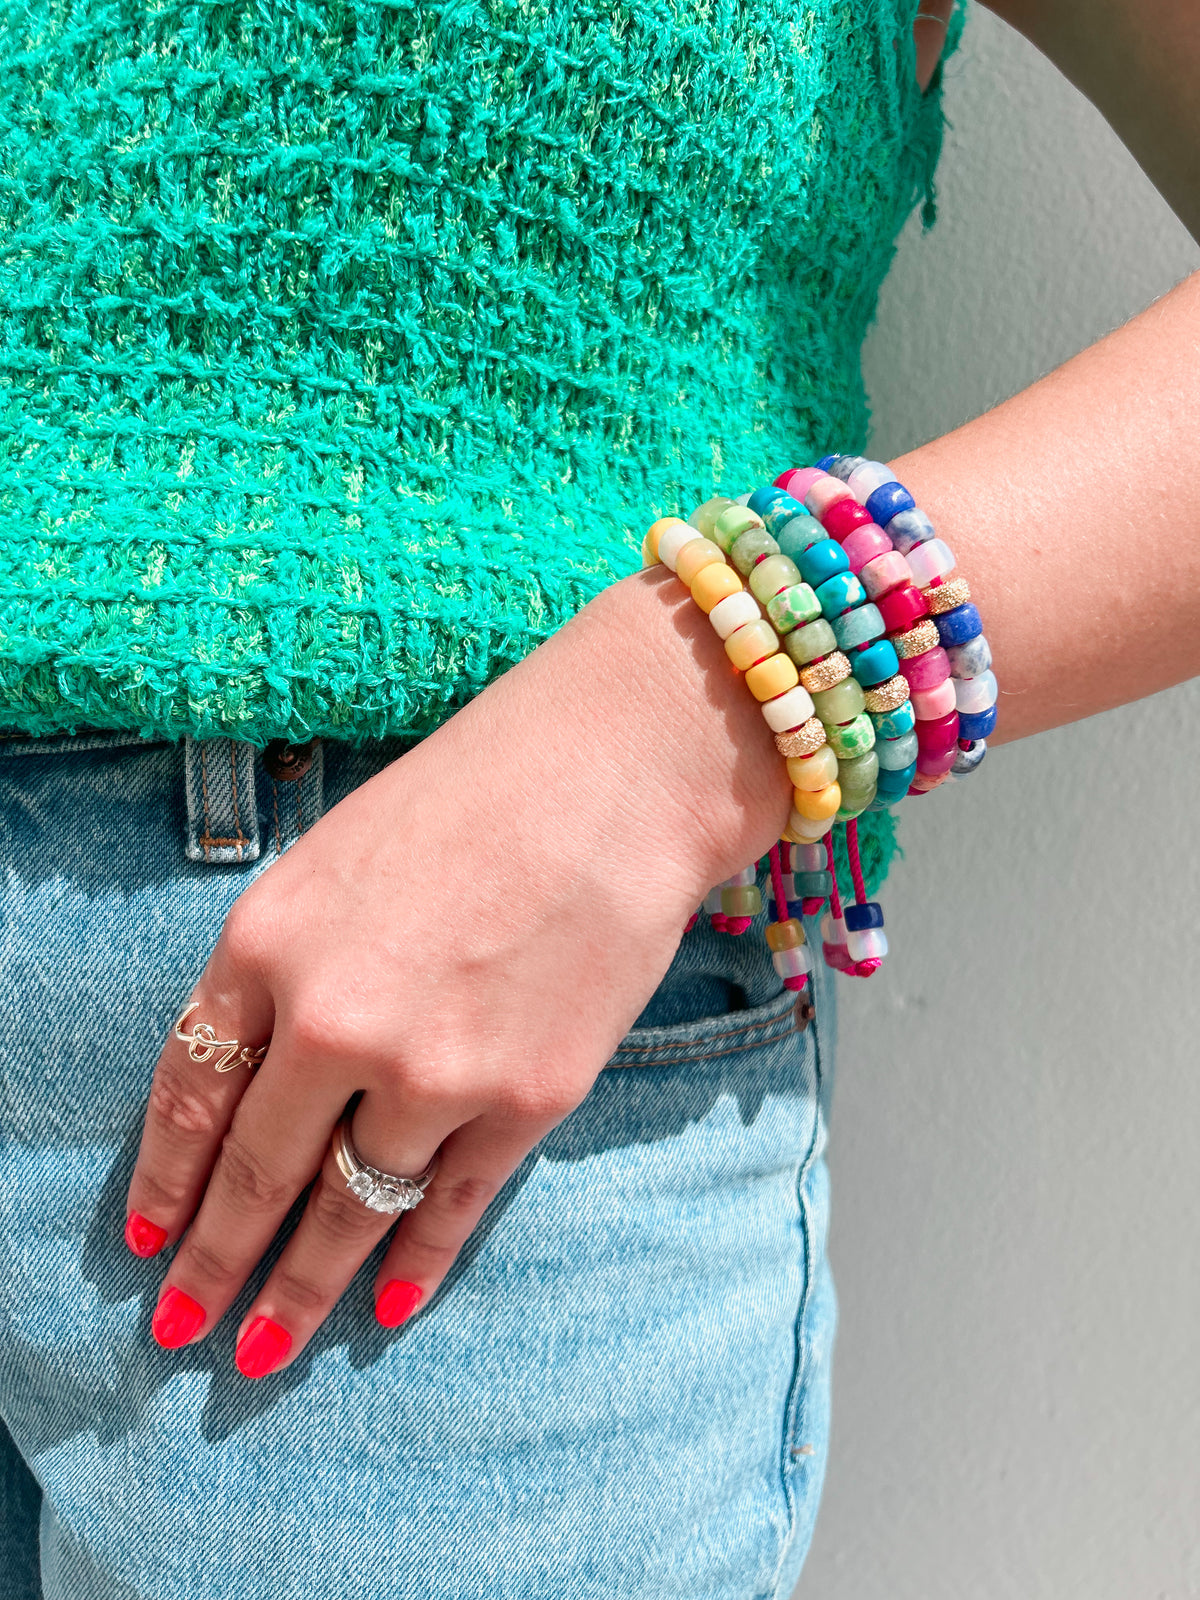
773,676
787,935
817,804
714,583
751,643
655,532
649,553
695,555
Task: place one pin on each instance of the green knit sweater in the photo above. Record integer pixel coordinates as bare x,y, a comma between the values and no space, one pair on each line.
349,347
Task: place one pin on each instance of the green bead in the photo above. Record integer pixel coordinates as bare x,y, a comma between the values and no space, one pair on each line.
806,644
771,575
852,738
749,546
745,901
859,772
796,536
844,815
839,704
731,524
704,518
793,607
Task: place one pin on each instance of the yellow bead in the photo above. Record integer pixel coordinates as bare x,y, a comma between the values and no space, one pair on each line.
655,532
814,771
649,553
776,675
694,556
817,804
787,935
714,583
752,642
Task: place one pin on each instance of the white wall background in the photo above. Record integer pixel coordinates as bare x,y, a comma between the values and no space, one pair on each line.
1016,1129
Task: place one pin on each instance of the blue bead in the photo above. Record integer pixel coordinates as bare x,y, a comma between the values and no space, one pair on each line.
894,724
976,724
876,664
825,463
860,918
797,535
780,512
762,500
888,501
822,560
959,625
795,908
909,528
857,627
843,466
889,782
970,659
896,755
839,593
967,760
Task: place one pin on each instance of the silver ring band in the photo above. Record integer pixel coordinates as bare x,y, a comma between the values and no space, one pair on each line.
379,1191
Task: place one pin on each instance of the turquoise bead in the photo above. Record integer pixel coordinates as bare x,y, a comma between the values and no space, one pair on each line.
894,724
857,627
840,593
821,561
877,663
796,536
895,754
896,783
749,546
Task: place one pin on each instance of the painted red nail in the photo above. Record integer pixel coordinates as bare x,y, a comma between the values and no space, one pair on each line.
261,1348
176,1318
144,1238
398,1301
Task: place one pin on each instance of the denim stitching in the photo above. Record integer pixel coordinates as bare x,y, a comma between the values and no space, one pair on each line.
786,1021
707,1055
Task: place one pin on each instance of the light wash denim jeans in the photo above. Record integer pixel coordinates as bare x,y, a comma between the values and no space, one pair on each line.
620,1391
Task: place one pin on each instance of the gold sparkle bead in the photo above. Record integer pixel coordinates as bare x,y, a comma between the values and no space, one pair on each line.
824,674
924,781
945,596
887,696
787,935
802,741
772,677
915,641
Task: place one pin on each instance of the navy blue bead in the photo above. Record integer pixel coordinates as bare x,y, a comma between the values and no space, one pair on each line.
860,918
959,625
795,908
976,724
822,560
825,463
888,501
761,501
897,782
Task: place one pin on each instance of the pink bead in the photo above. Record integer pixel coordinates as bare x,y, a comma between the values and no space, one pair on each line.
885,573
843,516
929,704
930,764
798,481
924,781
928,670
936,735
825,492
866,544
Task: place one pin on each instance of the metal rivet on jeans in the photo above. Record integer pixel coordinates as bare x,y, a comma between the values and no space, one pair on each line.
287,762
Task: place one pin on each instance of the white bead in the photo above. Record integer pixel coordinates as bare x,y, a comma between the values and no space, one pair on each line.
833,929
742,879
672,542
787,710
933,559
809,857
806,829
976,694
712,900
863,481
868,945
789,884
743,499
792,963
732,613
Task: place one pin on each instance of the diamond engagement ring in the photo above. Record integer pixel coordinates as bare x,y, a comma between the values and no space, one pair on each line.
379,1191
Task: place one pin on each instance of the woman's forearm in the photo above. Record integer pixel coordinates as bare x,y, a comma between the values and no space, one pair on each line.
1074,511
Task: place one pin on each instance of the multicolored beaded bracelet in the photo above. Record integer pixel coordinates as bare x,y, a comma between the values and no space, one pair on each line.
868,701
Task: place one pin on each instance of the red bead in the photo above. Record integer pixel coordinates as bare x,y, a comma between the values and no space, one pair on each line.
843,516
902,608
933,762
939,735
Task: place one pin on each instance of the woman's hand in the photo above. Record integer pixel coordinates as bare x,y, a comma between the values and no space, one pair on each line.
465,939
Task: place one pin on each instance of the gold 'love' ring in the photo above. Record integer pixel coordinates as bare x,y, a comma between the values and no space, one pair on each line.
203,1044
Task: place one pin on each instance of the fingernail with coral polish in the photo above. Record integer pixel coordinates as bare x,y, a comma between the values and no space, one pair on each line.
144,1238
261,1348
398,1301
176,1318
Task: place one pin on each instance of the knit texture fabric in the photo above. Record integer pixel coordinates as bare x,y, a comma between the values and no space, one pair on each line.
347,348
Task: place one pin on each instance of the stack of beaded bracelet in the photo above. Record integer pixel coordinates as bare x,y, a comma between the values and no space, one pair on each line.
868,702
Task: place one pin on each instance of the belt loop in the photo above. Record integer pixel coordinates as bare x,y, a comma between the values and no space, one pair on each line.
297,800
222,812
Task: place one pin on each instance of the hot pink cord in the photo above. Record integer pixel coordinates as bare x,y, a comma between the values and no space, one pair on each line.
860,888
835,902
781,909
